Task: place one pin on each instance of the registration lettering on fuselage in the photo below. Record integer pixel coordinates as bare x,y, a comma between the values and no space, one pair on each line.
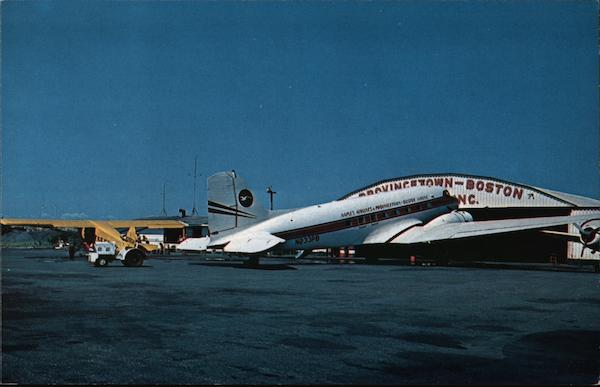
307,239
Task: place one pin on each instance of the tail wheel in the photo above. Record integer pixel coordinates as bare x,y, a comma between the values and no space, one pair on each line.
134,258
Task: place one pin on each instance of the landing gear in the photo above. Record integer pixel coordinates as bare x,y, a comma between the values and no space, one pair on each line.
134,258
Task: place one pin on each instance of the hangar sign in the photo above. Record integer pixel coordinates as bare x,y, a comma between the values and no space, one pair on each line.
471,191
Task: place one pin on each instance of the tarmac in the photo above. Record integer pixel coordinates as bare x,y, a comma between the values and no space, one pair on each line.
185,320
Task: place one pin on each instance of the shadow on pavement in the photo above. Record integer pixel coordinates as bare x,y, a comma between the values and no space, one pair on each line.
522,266
237,265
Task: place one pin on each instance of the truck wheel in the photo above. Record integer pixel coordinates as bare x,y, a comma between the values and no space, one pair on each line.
134,258
101,262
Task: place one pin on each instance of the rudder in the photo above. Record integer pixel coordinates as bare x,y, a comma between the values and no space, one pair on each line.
231,203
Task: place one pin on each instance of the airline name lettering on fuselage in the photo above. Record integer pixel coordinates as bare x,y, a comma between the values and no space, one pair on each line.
380,207
492,187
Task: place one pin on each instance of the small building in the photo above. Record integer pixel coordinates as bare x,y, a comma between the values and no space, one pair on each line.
171,237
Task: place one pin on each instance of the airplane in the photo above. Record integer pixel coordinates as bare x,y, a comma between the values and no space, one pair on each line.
239,224
129,249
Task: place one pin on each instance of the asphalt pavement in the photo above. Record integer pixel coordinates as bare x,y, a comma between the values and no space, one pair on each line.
184,320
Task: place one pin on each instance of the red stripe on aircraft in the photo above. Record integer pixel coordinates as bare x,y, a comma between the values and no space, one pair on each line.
369,218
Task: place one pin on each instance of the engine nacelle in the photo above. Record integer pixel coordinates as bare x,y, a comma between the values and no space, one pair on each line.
589,234
452,217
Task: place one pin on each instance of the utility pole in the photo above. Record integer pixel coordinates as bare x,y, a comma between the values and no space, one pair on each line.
194,212
164,211
271,193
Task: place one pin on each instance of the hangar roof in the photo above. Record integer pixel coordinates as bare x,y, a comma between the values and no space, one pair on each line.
576,200
480,191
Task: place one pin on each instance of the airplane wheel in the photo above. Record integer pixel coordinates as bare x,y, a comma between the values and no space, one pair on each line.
101,262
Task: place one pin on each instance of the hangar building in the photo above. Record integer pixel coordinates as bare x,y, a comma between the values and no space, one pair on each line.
488,198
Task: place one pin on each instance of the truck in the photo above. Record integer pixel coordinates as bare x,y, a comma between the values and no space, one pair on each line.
104,253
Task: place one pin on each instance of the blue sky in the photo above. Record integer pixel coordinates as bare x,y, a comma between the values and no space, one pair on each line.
103,102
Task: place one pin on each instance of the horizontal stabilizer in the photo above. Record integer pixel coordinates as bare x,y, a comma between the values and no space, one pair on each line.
252,243
194,244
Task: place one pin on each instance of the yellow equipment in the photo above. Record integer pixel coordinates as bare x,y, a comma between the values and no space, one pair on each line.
105,230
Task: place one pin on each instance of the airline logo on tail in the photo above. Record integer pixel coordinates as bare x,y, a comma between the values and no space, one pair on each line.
245,197
231,203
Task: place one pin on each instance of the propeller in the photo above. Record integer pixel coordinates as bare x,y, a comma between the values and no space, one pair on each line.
588,236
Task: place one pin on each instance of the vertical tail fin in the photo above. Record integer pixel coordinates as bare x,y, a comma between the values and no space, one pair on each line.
231,203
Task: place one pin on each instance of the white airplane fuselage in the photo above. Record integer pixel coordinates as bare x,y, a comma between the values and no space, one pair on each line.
348,222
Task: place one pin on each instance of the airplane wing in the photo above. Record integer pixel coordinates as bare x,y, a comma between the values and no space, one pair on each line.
58,223
147,223
247,243
83,223
448,231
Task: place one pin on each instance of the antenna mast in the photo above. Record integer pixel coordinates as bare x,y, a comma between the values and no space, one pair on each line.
271,193
194,212
164,211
